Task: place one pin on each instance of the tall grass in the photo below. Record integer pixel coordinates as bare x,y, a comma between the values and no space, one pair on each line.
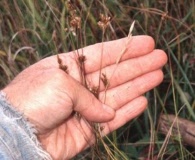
31,30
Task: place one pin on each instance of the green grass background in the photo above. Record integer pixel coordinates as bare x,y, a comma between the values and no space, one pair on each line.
33,29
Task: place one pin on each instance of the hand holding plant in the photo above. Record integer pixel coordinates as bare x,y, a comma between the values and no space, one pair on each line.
49,97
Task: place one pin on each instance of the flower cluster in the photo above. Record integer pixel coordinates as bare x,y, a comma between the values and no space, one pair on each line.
104,22
75,20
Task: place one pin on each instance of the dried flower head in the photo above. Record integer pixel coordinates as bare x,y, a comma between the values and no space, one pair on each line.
104,21
81,59
75,22
61,66
105,80
70,5
94,90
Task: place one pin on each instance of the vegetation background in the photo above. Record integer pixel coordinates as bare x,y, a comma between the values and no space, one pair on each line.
33,29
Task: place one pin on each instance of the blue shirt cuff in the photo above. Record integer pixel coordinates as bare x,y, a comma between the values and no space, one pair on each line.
18,140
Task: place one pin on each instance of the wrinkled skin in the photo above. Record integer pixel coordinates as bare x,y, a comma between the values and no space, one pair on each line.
48,96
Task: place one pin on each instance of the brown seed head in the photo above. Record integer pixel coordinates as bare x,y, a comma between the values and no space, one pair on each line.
104,21
61,66
94,91
70,5
75,22
105,80
81,59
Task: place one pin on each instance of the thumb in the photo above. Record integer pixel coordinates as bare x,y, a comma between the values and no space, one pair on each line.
89,106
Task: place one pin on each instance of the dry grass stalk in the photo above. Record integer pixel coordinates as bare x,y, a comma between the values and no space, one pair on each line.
97,129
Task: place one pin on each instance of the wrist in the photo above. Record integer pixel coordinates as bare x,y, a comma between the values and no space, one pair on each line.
18,134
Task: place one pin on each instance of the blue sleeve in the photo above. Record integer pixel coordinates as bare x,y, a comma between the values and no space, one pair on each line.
17,136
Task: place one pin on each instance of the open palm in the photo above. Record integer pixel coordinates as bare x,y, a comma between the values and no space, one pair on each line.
50,97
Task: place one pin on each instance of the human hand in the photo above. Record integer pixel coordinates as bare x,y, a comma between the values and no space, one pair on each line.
48,96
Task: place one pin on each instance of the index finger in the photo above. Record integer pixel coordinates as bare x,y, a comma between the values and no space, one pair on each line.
104,54
101,55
